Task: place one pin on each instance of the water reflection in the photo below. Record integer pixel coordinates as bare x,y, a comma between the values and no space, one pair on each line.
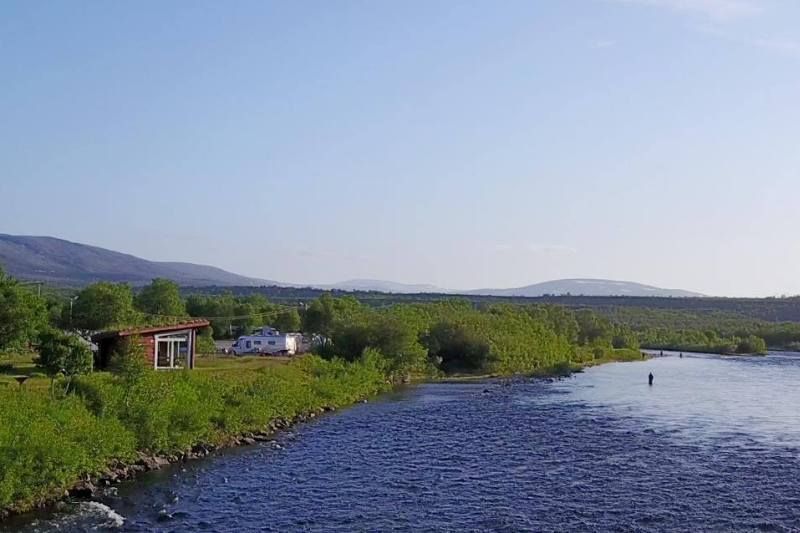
700,396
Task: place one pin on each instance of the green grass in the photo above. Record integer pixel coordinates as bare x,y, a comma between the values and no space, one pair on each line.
21,364
47,444
17,364
227,363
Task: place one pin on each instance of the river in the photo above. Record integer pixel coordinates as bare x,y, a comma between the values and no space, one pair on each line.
711,446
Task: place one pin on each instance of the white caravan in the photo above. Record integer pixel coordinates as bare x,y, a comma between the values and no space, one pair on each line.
268,341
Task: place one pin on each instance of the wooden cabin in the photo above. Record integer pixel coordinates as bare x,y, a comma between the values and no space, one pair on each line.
165,347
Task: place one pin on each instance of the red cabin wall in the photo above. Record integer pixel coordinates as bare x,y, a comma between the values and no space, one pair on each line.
149,343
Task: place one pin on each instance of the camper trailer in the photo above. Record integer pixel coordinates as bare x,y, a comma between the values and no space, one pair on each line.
267,341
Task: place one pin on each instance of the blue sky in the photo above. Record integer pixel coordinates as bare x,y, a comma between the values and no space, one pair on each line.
465,144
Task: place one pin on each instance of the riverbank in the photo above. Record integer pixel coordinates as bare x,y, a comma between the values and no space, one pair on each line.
451,457
655,352
751,345
559,370
113,428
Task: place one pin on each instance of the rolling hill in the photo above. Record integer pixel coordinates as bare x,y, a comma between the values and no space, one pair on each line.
587,287
70,264
67,263
381,286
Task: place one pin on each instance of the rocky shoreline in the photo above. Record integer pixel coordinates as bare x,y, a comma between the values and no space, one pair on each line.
92,486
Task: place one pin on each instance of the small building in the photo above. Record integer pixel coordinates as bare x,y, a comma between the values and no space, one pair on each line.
166,347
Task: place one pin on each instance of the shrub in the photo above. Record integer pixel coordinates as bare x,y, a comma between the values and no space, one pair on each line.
171,411
62,353
457,347
46,444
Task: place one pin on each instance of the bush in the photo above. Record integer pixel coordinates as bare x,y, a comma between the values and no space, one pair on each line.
62,353
457,348
171,411
46,444
205,342
751,345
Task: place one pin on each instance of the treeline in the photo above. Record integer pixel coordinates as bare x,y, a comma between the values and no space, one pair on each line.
47,441
701,341
717,325
106,305
497,337
766,309
456,337
26,318
708,332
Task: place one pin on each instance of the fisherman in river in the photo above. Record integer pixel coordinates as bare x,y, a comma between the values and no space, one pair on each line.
681,356
650,379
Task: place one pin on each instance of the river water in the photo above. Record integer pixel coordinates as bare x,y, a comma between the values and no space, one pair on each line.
713,445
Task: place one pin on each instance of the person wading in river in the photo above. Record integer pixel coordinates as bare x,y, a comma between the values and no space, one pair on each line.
650,379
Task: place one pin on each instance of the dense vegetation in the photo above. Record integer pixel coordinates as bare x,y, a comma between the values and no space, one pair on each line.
784,309
83,420
47,443
720,325
455,336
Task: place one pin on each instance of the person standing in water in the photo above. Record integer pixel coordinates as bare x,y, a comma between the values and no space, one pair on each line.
650,379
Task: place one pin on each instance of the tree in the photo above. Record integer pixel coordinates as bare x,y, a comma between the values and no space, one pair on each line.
287,320
457,347
205,342
128,362
252,311
393,337
323,313
213,306
161,297
560,319
318,317
62,353
103,305
624,337
593,329
22,313
751,345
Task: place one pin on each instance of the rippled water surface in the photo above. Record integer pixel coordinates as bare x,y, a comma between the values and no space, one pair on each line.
712,445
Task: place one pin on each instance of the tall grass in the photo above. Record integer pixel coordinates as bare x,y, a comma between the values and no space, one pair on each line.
46,445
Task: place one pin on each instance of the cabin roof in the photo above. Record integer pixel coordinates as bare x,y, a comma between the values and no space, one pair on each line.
148,330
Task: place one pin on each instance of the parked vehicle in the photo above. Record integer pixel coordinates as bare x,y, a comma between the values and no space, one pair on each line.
268,341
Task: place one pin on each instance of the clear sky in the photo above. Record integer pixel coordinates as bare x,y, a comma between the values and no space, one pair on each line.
461,143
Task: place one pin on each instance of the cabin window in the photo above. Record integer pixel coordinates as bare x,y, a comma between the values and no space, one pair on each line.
248,345
257,342
271,343
172,351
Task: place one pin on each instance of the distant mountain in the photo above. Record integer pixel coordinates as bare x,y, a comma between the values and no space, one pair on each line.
71,264
380,286
587,287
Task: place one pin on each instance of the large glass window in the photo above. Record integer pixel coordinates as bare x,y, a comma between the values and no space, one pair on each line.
173,351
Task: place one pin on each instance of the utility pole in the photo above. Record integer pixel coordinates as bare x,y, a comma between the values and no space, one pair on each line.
71,301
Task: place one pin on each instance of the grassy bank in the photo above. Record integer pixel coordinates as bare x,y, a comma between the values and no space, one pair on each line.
47,444
587,359
583,360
